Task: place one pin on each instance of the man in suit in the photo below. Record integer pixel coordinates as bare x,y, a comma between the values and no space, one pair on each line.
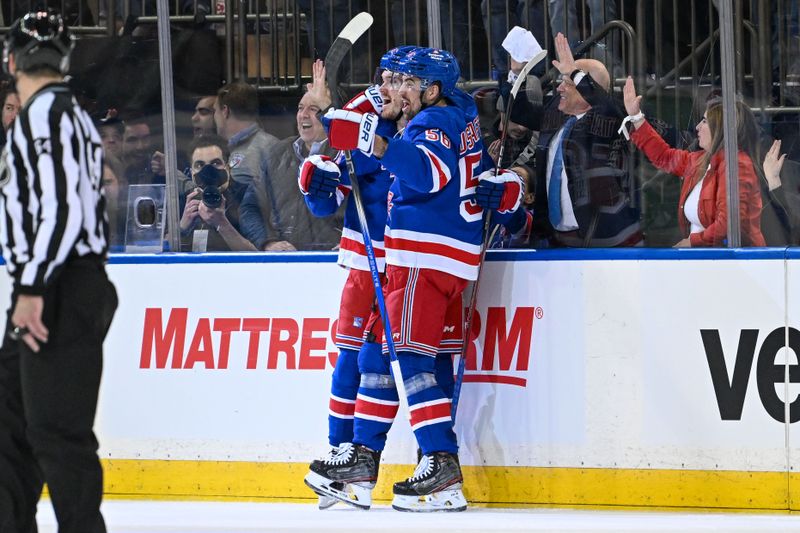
584,196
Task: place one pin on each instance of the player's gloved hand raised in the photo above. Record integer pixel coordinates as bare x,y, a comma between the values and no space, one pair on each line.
351,130
318,176
502,192
368,101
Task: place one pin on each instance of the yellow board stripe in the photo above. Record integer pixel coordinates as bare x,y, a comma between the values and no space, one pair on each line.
489,485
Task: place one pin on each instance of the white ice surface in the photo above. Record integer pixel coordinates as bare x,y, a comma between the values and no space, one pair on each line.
214,517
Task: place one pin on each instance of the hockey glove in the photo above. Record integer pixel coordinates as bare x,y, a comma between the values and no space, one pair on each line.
502,192
319,176
369,101
350,130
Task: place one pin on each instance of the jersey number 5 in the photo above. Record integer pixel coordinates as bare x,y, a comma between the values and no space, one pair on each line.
470,211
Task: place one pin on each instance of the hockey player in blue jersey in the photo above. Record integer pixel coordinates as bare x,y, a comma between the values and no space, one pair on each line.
432,243
326,185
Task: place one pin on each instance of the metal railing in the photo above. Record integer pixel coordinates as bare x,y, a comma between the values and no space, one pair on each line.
271,42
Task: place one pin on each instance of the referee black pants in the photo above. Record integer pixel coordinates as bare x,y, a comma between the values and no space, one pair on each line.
47,406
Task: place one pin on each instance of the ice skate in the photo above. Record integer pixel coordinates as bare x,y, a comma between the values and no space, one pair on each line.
325,501
435,486
349,476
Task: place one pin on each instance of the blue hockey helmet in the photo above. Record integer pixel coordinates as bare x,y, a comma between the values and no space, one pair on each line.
39,39
432,65
390,59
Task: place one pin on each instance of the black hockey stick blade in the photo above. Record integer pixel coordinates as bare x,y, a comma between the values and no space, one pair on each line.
354,29
513,96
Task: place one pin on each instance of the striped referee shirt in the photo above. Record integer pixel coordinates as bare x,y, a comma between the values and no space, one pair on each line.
51,198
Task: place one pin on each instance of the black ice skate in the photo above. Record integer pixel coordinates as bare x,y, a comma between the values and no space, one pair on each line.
435,486
349,475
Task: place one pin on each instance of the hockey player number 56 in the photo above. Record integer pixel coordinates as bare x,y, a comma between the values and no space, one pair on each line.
467,164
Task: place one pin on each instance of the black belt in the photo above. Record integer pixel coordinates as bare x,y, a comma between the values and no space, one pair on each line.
92,260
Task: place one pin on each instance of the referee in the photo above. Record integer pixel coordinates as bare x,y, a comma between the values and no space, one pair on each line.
53,234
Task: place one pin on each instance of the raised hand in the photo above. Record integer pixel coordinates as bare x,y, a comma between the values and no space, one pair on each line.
632,101
773,163
319,90
565,63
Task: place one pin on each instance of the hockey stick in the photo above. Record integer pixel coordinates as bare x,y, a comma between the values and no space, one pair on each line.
487,237
341,46
354,29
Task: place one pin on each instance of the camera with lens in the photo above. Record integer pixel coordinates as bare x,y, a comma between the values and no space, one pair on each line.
211,181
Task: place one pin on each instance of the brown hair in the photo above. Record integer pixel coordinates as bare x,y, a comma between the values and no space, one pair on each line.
210,140
241,99
747,135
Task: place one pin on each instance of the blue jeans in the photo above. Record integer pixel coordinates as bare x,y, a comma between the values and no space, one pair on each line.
564,16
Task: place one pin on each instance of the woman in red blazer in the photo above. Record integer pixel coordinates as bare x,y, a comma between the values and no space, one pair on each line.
703,206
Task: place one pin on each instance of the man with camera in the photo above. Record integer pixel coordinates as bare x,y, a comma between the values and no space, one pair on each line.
210,220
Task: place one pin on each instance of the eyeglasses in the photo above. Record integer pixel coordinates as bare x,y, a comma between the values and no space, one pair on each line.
218,163
565,78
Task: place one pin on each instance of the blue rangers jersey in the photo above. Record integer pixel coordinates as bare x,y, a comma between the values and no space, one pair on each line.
433,219
374,181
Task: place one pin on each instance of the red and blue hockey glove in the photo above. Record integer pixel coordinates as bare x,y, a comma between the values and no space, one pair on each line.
319,176
502,192
368,101
351,130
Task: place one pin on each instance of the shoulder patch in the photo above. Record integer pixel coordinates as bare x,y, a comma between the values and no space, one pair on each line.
236,159
42,145
5,172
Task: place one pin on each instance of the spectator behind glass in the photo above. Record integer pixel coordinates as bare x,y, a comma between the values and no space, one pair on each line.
296,224
584,196
703,205
564,16
10,107
518,137
10,102
779,222
111,131
113,190
210,219
203,117
236,115
236,118
137,151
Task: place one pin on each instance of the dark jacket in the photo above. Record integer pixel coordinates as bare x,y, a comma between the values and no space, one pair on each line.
276,199
779,222
602,191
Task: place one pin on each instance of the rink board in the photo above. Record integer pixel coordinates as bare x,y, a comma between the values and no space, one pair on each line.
643,379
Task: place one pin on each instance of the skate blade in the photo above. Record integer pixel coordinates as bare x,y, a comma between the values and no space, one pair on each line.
354,494
326,502
450,500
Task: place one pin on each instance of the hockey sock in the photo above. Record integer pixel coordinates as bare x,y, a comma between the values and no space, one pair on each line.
344,387
444,373
377,402
428,404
